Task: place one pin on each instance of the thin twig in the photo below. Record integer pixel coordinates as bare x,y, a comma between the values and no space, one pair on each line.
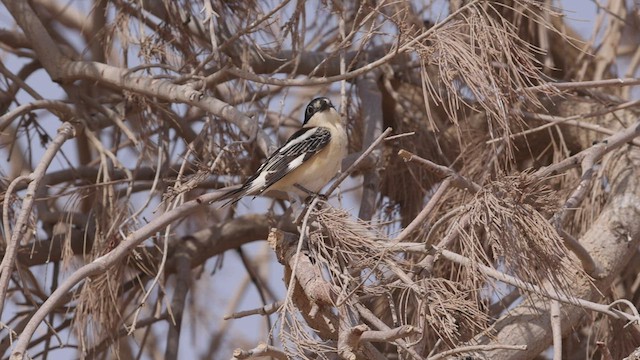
65,132
422,216
360,158
557,120
585,84
441,171
428,262
611,143
104,262
396,137
264,310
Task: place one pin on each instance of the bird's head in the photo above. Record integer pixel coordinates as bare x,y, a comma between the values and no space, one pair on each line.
319,111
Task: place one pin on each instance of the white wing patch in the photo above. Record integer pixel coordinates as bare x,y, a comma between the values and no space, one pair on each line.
298,140
293,164
257,184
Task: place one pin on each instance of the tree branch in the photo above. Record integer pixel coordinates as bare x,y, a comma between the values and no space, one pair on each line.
104,262
371,101
259,351
183,279
65,132
608,240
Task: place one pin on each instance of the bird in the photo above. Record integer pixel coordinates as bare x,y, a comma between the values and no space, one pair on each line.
306,162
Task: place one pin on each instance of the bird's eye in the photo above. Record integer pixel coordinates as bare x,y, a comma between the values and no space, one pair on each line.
309,109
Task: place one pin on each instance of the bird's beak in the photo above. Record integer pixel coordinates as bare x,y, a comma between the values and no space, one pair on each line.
326,105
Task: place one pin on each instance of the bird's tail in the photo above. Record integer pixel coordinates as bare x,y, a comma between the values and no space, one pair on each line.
232,196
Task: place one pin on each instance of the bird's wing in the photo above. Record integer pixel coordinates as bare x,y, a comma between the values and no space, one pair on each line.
301,146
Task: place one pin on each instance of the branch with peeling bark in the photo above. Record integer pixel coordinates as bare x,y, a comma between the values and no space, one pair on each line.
259,351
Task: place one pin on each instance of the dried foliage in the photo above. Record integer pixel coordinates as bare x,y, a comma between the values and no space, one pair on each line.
510,216
358,262
519,190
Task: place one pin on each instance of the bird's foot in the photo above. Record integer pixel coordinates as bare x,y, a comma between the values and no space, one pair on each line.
311,194
321,197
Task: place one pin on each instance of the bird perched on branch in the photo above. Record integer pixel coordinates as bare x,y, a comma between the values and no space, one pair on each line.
306,162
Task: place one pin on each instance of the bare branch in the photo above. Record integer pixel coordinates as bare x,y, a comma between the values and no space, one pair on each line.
348,341
21,229
343,175
474,348
370,98
422,216
183,278
441,171
388,335
259,351
63,110
265,310
103,263
556,328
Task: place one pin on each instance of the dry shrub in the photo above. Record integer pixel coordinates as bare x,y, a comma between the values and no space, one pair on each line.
358,261
509,220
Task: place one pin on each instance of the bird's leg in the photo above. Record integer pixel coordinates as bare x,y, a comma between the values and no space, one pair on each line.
311,194
307,201
297,209
303,189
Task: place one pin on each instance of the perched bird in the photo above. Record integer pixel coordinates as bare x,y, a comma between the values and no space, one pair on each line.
306,162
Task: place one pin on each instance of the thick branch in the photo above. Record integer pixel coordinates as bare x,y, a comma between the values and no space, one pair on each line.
183,278
312,295
371,100
260,351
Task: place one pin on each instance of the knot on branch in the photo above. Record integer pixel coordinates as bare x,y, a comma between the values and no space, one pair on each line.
194,95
